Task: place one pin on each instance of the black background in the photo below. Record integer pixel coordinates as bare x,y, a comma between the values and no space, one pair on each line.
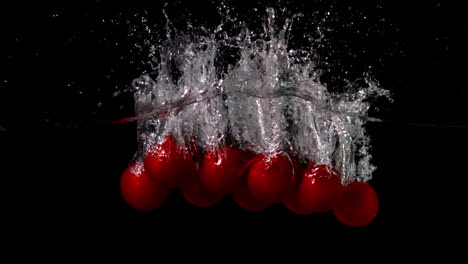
63,158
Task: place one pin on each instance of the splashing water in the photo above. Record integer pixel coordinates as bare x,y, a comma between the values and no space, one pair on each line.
270,99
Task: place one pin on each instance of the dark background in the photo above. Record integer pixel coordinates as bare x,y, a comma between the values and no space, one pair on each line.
62,157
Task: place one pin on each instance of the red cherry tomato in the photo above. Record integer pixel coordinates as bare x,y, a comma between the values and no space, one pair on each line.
220,172
290,202
293,205
319,188
244,199
194,192
270,179
168,164
357,206
139,191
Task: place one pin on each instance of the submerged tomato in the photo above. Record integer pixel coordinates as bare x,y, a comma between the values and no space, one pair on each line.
271,179
357,206
319,188
168,163
293,205
220,172
139,191
290,202
195,193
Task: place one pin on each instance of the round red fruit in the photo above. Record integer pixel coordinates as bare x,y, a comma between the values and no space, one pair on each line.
220,172
357,206
270,179
167,163
139,191
293,205
194,192
319,188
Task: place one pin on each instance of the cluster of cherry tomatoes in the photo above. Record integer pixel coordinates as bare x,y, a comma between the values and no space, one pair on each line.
254,181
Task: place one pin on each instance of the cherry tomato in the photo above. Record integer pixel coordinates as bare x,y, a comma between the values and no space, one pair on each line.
220,172
195,193
319,188
168,163
357,206
139,191
290,202
270,179
293,205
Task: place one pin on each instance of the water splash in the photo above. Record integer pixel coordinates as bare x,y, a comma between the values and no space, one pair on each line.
251,90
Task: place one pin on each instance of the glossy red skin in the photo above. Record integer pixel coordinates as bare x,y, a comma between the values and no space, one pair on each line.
168,164
244,199
196,194
319,188
270,180
290,202
220,172
139,191
357,206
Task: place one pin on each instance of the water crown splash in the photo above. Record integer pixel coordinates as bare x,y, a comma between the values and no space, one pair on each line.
270,99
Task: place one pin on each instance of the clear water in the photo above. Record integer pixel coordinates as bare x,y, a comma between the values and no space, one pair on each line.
247,88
